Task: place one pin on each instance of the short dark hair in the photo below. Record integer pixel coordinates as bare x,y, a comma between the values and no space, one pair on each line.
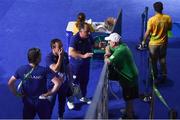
34,55
158,7
56,40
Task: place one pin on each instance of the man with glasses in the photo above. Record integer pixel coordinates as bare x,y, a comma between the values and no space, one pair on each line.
80,52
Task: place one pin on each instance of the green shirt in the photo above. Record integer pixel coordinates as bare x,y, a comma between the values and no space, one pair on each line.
123,62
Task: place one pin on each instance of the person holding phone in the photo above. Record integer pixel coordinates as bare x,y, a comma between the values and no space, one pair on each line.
57,60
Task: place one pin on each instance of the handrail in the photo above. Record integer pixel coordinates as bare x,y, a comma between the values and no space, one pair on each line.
144,16
99,106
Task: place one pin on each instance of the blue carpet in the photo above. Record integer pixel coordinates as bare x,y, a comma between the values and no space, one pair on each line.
33,23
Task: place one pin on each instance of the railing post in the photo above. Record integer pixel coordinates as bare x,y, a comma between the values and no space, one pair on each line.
118,25
99,106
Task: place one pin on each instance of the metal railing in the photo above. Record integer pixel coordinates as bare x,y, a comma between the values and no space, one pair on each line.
118,26
144,16
144,19
99,106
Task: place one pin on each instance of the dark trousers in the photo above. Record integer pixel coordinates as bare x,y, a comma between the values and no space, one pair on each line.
82,75
158,53
36,106
62,94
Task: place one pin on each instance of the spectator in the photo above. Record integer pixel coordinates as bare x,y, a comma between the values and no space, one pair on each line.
34,89
119,57
80,52
157,28
57,60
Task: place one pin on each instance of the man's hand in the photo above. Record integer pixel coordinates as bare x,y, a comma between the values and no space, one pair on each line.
143,43
44,97
87,55
107,61
45,94
61,52
107,52
102,45
107,55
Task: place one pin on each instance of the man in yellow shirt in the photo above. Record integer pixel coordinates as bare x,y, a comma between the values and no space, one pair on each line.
157,28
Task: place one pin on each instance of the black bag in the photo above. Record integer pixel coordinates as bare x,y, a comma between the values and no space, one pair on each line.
75,89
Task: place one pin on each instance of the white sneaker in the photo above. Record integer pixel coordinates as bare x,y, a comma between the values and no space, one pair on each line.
70,105
84,99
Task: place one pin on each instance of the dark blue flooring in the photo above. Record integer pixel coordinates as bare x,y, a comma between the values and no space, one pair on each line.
33,23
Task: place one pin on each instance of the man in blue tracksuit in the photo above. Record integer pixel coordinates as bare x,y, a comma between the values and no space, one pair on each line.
80,52
34,86
57,60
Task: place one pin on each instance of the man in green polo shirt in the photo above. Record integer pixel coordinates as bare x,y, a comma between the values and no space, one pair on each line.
120,58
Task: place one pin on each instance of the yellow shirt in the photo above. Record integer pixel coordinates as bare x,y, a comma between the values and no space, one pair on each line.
158,26
76,30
